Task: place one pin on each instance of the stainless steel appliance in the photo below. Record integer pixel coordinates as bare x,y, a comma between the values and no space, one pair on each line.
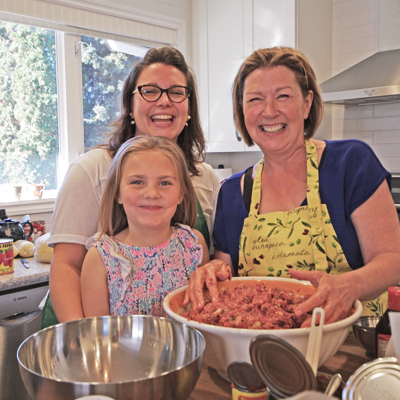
374,80
19,318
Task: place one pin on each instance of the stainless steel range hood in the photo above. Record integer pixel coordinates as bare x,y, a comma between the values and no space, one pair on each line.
375,80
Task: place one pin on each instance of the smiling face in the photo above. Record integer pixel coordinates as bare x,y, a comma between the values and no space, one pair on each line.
149,191
274,108
162,117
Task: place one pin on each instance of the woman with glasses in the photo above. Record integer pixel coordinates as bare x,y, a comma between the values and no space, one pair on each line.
159,98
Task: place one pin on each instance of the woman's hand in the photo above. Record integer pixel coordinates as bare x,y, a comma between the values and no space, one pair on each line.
336,294
206,274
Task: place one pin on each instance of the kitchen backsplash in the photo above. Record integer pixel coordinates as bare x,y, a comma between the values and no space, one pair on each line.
237,161
355,32
377,125
360,29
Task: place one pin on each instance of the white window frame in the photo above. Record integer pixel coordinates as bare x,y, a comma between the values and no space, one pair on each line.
69,86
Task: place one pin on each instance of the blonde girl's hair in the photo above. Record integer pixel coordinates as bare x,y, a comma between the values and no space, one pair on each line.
305,77
112,217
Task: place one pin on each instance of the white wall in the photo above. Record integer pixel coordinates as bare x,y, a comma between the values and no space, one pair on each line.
180,9
360,29
355,33
237,161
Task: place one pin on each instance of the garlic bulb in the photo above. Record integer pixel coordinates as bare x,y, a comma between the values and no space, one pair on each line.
25,248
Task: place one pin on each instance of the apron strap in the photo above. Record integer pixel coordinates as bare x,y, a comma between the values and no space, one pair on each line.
314,207
256,190
248,188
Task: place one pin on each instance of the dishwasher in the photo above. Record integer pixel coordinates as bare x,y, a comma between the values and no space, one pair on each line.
20,317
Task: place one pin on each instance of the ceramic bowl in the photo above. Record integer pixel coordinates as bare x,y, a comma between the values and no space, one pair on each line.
226,345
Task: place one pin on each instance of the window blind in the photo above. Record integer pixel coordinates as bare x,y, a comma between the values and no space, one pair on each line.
93,19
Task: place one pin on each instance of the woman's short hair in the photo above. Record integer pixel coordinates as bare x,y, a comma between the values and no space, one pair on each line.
191,139
305,76
112,217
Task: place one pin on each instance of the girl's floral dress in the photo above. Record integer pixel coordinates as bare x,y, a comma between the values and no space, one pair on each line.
139,278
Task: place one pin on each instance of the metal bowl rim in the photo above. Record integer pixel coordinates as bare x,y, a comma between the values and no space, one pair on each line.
196,331
358,323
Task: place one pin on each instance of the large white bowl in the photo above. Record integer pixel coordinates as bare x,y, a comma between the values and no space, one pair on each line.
226,345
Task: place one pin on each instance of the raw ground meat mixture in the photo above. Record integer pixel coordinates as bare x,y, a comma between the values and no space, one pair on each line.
251,307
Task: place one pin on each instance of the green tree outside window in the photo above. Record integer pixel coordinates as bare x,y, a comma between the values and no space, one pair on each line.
29,141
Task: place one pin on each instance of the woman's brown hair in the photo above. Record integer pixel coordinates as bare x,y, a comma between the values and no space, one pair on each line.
191,139
112,217
305,76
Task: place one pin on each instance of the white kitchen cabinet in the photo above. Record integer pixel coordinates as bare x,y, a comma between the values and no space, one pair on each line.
225,32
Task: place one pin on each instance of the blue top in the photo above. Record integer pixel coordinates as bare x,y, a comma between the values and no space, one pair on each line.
349,174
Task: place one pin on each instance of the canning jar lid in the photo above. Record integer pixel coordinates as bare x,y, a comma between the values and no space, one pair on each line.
244,377
377,379
282,367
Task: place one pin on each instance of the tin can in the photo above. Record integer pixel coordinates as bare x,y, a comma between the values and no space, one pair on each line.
239,394
377,379
246,383
39,229
6,256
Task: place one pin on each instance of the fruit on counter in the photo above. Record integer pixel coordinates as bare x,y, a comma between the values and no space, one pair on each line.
25,248
15,250
43,253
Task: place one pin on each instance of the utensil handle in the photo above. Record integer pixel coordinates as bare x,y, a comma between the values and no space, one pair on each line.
314,340
333,384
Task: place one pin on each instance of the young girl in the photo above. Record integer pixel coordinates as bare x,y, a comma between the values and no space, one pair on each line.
146,247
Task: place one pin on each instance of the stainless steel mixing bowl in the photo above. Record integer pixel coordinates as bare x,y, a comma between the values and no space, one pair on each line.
130,358
364,331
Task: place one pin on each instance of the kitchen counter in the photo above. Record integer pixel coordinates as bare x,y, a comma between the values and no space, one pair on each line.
349,357
36,273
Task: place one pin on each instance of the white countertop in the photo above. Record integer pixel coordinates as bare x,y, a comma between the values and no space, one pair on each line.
37,272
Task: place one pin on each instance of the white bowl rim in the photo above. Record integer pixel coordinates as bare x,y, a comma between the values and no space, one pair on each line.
293,331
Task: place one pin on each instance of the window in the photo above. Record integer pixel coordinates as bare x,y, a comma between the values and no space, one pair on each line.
29,156
120,28
104,69
28,111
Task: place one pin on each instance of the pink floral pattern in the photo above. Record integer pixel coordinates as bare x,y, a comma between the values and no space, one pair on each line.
139,278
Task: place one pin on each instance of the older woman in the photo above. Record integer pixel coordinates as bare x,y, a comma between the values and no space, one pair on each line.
310,209
159,98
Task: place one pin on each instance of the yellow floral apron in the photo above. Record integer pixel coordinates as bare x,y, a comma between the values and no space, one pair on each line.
303,238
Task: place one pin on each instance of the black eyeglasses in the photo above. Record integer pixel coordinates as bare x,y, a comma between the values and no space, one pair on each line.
152,93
